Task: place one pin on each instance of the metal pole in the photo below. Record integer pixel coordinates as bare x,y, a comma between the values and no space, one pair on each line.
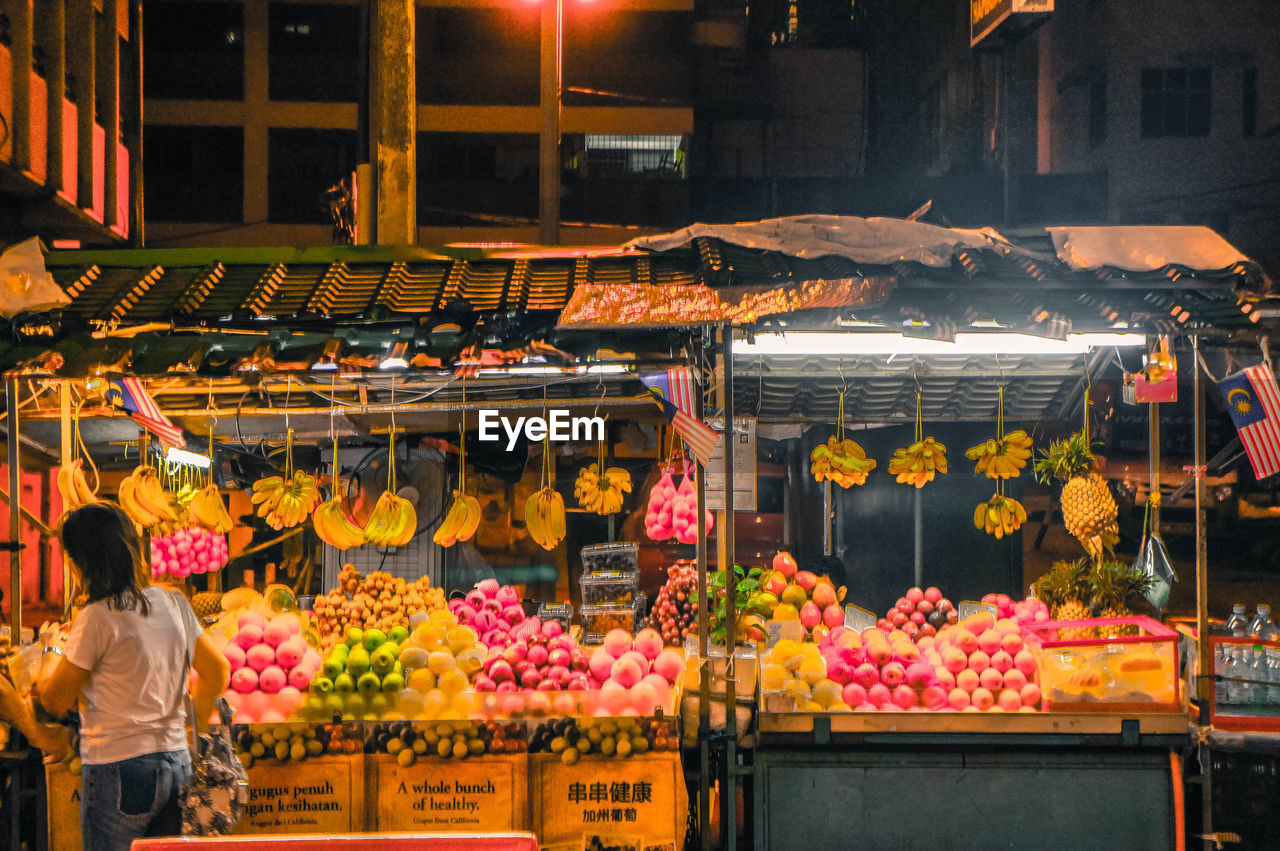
1202,583
64,410
1153,491
729,792
552,77
704,666
827,513
919,537
15,514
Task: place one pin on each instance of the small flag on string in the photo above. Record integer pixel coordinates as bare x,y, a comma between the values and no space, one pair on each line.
129,394
702,438
676,386
1254,404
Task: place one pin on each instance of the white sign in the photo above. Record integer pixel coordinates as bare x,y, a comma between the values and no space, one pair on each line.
744,467
557,424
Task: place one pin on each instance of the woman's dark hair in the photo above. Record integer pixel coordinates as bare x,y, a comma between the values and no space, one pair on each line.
101,540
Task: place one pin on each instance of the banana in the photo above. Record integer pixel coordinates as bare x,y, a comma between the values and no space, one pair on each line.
149,494
84,494
67,489
138,513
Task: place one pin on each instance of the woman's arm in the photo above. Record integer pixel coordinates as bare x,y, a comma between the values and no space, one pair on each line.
59,690
50,738
212,669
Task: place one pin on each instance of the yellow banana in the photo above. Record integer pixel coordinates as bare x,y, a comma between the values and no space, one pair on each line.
138,513
66,489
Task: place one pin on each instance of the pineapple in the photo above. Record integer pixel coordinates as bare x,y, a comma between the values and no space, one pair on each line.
1117,588
1064,589
207,603
1088,508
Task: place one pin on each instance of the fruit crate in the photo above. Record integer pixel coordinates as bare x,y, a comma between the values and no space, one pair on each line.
1080,672
619,557
745,668
611,587
1260,712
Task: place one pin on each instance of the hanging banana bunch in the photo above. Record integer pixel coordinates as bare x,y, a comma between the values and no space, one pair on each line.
205,506
330,519
393,521
285,501
601,493
143,497
918,463
73,486
463,518
840,460
544,510
1001,458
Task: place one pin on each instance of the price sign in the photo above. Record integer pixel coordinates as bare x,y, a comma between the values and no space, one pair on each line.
856,617
969,607
775,631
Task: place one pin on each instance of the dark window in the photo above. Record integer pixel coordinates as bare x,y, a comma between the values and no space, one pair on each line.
302,164
194,174
1098,110
1175,102
194,51
478,56
314,52
476,178
1249,101
625,58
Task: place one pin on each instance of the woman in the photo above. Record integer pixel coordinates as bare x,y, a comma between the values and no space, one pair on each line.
127,661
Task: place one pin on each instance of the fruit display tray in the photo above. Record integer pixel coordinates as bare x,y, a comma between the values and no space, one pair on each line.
1109,672
973,723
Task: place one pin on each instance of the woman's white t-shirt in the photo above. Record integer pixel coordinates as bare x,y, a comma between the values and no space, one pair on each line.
138,668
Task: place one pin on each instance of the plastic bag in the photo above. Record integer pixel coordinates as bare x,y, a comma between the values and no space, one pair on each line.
1153,561
25,284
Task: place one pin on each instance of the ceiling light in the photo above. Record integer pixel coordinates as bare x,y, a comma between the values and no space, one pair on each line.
837,343
189,459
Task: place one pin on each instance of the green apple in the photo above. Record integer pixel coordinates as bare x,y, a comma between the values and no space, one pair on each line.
392,682
358,662
321,685
368,682
355,635
373,639
397,634
344,683
333,666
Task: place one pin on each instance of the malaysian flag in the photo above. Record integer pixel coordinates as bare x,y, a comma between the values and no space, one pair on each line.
129,394
676,386
1254,404
702,438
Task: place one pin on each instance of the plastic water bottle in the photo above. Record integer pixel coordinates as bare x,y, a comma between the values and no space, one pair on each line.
1231,690
1261,625
1264,629
1238,623
1258,693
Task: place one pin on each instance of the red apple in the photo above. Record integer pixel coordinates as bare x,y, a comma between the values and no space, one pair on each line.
915,595
932,594
924,606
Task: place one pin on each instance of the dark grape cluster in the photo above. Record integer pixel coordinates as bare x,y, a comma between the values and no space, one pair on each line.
674,615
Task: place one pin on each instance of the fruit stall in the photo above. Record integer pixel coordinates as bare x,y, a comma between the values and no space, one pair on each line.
766,588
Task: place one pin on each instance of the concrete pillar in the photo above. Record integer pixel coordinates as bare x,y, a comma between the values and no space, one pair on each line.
257,111
393,107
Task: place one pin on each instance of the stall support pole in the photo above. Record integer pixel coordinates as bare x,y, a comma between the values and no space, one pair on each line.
1205,667
828,512
919,537
64,411
1153,489
704,665
15,509
729,790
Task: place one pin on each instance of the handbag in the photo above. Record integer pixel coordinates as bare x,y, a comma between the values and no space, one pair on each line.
1154,563
215,799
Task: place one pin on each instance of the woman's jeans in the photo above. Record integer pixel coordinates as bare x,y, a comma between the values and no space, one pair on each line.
122,801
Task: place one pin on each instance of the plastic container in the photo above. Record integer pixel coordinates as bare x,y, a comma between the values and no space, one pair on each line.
613,587
745,667
562,612
1238,624
599,619
1118,673
620,557
1246,692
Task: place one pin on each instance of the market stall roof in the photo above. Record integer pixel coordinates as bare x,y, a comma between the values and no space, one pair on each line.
221,322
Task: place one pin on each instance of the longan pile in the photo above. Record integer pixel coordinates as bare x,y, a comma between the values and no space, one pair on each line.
284,742
616,737
377,600
459,740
